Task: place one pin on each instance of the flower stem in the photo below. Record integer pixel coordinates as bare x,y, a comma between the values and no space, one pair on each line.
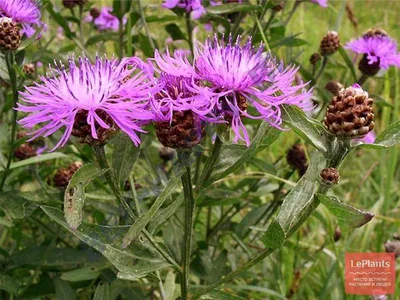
362,79
295,6
10,61
146,27
321,70
112,181
190,32
189,217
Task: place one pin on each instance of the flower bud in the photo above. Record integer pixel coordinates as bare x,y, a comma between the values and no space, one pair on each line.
95,12
296,157
334,87
29,69
350,113
10,36
315,58
64,175
330,43
394,247
330,176
73,3
166,154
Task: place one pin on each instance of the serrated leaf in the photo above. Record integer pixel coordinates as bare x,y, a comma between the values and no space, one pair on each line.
74,197
37,159
8,284
348,217
274,237
145,218
102,291
63,290
309,129
232,8
136,261
124,157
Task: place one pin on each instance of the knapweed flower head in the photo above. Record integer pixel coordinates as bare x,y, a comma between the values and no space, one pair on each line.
323,3
379,52
242,77
195,7
88,101
181,105
24,12
105,20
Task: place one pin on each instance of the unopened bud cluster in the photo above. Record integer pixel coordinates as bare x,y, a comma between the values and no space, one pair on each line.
10,36
330,43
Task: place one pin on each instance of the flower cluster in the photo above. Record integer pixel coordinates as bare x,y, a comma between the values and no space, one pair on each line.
323,3
195,7
226,83
105,20
24,12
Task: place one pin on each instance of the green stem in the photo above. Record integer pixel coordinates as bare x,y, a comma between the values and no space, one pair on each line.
295,6
146,27
321,70
113,182
10,61
362,79
121,38
264,38
190,32
81,35
189,217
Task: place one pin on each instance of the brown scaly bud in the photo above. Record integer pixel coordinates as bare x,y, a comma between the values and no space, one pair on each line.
330,43
278,7
330,176
394,247
166,154
337,235
334,87
10,36
95,12
350,113
127,186
64,175
82,130
29,69
185,131
27,149
375,32
315,58
73,3
296,157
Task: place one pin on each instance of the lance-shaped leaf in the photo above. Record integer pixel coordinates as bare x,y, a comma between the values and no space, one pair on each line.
136,261
124,156
8,284
102,291
309,129
14,205
36,159
386,139
348,216
274,237
145,218
74,197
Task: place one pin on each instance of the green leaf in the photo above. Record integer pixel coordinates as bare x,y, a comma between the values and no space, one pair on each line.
103,37
25,43
82,274
124,157
348,216
220,295
145,218
309,129
121,7
74,197
59,19
232,8
63,290
233,157
8,284
102,291
386,139
169,285
175,32
274,237
37,159
300,200
348,61
14,205
133,262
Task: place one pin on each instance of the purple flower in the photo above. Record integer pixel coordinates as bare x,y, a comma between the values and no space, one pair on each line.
191,6
179,89
369,138
24,12
379,50
242,76
106,20
323,3
93,93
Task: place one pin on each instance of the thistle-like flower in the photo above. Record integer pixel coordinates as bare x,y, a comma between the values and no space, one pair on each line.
323,3
89,101
242,76
105,20
180,104
378,51
24,12
195,7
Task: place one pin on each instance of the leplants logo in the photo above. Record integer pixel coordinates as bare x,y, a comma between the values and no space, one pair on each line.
370,273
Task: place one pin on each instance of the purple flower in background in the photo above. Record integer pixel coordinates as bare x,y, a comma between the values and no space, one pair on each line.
178,88
323,3
195,7
24,12
379,52
242,76
369,138
106,20
89,97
